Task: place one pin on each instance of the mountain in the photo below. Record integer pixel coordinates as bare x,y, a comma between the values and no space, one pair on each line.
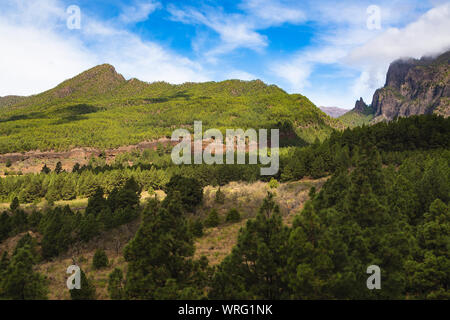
99,108
333,112
414,87
359,115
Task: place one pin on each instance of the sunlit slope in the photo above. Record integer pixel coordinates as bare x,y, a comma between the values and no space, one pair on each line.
99,108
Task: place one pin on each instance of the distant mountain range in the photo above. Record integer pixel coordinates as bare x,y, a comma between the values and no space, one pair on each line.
412,87
334,112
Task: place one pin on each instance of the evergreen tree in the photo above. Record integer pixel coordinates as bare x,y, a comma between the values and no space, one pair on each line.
189,189
115,285
87,289
14,204
100,259
4,263
196,228
213,219
96,203
233,216
45,169
161,252
5,226
76,168
58,168
253,270
20,282
219,197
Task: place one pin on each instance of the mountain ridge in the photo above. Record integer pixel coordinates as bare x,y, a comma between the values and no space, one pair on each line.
100,108
412,87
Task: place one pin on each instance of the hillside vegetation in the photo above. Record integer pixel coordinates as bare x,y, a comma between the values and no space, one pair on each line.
99,108
383,200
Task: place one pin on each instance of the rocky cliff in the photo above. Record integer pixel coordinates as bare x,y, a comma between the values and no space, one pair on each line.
414,87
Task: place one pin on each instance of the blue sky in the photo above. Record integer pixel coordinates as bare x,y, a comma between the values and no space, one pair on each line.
332,52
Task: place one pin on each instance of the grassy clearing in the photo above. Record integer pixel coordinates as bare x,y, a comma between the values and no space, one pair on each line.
215,244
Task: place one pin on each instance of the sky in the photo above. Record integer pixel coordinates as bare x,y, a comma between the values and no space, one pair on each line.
333,52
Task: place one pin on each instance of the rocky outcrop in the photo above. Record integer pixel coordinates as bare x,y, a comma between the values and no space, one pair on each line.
360,106
414,87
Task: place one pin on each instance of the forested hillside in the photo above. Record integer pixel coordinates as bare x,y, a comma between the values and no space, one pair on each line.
99,108
385,202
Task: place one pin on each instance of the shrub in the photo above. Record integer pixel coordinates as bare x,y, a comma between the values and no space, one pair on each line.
220,197
14,204
233,216
196,228
213,219
273,183
100,259
115,284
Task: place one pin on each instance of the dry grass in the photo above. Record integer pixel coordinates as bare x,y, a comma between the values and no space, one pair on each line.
215,244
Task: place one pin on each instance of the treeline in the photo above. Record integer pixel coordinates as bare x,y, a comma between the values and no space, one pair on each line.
398,220
67,186
368,213
60,227
395,141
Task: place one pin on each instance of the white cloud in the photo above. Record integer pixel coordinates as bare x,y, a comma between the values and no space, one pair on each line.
239,30
139,11
271,12
234,30
427,36
34,57
38,51
297,70
241,75
346,44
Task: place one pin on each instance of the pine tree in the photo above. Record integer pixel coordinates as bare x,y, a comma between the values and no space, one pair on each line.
196,228
76,168
100,259
213,219
5,225
254,268
58,168
161,250
96,203
45,169
115,285
20,282
14,204
219,197
189,189
233,216
87,289
4,263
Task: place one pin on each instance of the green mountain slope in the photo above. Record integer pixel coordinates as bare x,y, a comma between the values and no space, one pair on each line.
99,108
361,114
